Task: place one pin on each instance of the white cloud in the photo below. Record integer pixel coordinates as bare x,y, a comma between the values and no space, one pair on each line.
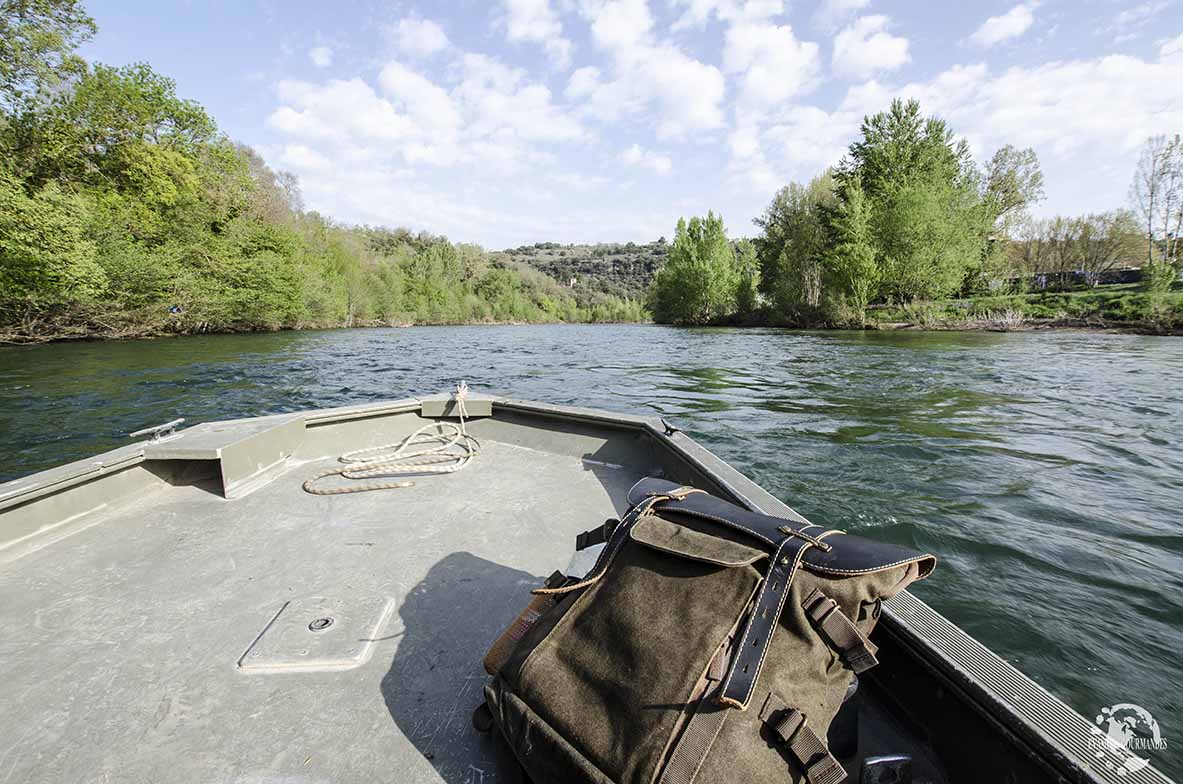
304,158
866,47
536,21
337,111
698,12
417,37
1138,15
646,73
499,98
493,115
321,56
1071,112
1010,25
832,13
639,156
773,64
1171,48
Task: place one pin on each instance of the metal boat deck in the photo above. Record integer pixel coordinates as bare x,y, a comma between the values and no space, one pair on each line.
159,603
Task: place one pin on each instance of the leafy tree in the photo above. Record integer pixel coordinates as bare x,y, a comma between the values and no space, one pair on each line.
929,222
747,292
900,146
45,257
791,248
698,283
852,269
1013,183
37,42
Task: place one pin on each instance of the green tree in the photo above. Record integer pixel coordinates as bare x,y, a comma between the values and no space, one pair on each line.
37,43
1013,183
698,283
852,270
791,247
747,292
45,257
928,219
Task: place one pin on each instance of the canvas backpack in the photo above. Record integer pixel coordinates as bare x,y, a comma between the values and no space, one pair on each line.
708,642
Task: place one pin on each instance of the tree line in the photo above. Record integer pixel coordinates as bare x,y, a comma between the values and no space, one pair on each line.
124,210
907,216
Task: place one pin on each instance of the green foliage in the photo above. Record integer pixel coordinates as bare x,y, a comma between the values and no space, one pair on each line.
792,247
45,256
1013,183
1159,275
853,272
698,283
37,42
124,211
747,292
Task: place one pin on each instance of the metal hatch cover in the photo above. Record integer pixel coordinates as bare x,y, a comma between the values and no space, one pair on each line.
317,634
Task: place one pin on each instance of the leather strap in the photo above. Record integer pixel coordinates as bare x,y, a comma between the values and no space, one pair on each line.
792,729
757,635
618,537
839,632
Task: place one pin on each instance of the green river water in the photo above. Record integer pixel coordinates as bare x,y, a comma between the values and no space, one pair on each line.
1045,469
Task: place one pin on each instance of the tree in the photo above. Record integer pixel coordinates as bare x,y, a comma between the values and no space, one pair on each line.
851,265
747,294
698,283
928,221
1098,242
900,146
1013,183
37,43
791,247
1157,195
45,257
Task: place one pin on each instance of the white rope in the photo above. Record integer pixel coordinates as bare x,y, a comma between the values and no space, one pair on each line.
435,448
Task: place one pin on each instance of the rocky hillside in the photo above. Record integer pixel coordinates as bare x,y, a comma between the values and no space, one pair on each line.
620,270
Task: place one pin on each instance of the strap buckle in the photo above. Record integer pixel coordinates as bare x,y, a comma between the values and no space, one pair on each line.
840,632
791,727
595,536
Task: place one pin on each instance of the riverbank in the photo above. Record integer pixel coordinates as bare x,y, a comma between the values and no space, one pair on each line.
35,332
1116,308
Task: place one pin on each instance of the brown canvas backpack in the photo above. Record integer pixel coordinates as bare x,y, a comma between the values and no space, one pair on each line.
708,643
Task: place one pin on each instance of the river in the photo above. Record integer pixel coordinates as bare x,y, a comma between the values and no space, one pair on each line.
1045,469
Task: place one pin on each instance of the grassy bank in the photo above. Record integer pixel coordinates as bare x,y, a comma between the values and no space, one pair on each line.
1126,307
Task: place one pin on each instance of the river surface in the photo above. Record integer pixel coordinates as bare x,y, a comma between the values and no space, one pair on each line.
1045,469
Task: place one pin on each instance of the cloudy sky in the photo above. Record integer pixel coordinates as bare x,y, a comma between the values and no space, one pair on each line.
505,122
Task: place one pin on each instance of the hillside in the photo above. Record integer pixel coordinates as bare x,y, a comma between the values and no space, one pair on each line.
589,271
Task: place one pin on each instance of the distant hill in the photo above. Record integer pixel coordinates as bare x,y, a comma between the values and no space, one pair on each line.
616,269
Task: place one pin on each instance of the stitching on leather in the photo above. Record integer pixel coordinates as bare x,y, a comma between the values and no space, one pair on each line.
723,520
882,568
776,618
751,623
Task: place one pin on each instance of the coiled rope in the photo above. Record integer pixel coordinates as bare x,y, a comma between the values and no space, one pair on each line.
435,448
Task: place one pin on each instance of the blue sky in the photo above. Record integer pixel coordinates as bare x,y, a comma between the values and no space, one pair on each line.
514,121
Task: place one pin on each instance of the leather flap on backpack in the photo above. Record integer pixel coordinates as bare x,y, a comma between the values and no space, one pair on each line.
847,555
669,537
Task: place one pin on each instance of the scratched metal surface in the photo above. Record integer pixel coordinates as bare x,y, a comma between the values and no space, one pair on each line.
122,643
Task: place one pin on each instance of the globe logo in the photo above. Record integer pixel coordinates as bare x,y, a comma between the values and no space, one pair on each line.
1121,729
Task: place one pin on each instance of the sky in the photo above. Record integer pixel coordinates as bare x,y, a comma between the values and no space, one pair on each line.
509,122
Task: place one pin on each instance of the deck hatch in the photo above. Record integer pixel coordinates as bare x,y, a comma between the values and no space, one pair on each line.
317,634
